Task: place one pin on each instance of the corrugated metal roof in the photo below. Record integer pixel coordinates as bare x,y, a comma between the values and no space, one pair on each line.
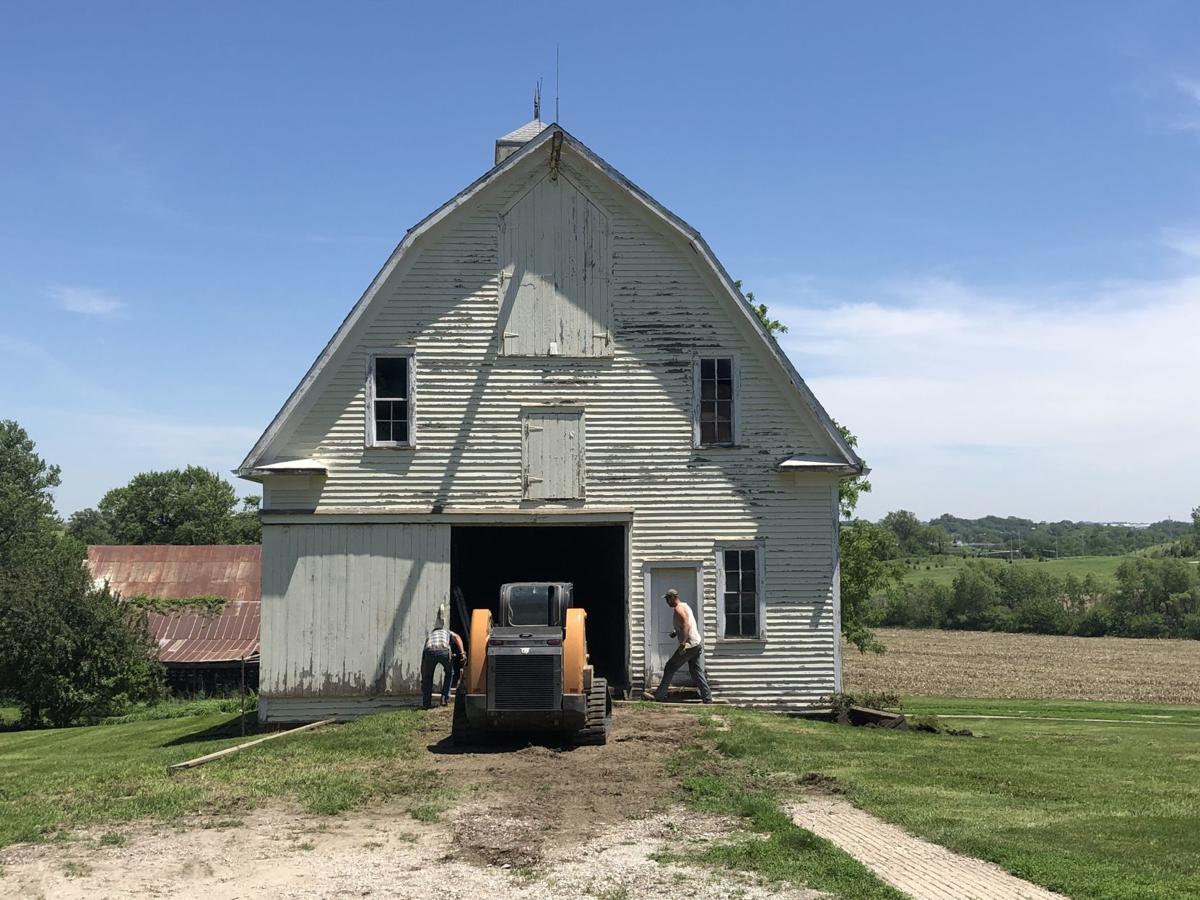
171,571
192,637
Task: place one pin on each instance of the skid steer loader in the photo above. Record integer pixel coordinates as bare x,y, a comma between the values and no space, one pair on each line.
527,669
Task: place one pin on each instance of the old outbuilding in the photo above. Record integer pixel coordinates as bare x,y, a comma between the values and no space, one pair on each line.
551,378
202,607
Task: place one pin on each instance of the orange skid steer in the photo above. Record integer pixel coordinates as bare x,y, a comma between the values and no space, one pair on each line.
528,670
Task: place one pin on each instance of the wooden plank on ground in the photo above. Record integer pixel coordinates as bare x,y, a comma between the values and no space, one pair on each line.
209,757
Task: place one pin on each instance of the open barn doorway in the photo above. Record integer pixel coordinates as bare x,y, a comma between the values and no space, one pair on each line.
592,557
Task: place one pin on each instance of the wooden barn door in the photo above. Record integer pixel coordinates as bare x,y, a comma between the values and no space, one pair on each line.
553,454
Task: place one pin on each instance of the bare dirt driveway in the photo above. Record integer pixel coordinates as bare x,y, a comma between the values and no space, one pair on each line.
523,821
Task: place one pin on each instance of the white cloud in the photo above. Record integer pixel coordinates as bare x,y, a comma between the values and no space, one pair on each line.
1188,120
1184,242
974,403
101,438
87,301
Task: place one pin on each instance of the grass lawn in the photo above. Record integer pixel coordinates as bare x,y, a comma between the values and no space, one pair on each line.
942,570
1104,810
1091,809
61,778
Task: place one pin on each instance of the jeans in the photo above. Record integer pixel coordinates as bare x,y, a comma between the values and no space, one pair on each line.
430,660
694,657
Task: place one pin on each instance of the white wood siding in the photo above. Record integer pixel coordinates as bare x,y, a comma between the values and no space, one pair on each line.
554,274
345,608
446,302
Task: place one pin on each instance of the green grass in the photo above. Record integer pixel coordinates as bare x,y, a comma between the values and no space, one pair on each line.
57,779
784,852
182,708
1088,809
9,715
943,569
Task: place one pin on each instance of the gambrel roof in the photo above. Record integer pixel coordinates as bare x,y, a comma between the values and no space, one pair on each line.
846,461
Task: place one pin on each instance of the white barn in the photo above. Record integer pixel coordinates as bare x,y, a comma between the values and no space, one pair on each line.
551,378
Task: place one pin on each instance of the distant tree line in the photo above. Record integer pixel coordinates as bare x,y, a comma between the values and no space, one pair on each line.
1151,598
1156,594
1030,539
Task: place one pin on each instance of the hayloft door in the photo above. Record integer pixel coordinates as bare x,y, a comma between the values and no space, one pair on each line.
552,454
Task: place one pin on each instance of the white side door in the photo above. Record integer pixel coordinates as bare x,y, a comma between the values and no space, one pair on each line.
553,454
660,618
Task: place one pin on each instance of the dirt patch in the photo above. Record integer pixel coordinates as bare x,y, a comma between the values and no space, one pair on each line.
1027,666
527,821
530,793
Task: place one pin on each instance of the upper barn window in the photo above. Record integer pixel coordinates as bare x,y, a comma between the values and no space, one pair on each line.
716,413
390,399
554,273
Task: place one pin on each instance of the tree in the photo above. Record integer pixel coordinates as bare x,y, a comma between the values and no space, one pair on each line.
26,498
88,526
179,506
68,650
864,549
773,326
850,489
908,530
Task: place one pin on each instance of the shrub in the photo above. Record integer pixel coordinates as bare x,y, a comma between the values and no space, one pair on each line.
1042,615
1191,626
1096,622
974,593
1146,625
922,605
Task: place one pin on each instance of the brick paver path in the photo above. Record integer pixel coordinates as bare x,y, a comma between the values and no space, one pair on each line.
920,869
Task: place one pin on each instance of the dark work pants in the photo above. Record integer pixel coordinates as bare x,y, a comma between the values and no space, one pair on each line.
694,657
430,660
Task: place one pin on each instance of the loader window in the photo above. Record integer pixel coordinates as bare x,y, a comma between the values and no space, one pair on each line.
530,604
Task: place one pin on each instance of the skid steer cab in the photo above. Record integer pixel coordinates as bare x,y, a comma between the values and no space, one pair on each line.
527,669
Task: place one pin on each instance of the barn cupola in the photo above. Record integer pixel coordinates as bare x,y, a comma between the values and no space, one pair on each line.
515,140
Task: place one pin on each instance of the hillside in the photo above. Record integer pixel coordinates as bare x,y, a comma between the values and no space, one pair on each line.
942,569
1064,538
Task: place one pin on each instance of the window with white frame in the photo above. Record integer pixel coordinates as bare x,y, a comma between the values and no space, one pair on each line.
715,401
390,395
741,604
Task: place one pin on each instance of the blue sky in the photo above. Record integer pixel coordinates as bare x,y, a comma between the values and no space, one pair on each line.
981,222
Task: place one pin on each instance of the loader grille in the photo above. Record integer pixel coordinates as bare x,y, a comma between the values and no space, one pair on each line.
526,682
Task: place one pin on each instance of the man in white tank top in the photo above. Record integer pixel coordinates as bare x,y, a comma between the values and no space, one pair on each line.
691,649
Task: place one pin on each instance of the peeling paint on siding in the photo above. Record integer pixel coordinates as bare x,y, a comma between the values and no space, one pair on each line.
638,405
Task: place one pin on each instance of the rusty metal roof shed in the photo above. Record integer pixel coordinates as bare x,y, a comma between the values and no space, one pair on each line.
190,637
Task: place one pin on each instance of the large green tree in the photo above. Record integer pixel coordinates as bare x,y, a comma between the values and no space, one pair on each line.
178,506
69,650
88,526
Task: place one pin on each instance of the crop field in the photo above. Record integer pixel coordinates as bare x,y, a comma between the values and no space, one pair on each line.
942,569
988,664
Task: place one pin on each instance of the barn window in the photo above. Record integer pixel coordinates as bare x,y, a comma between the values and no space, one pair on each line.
715,412
390,399
740,599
